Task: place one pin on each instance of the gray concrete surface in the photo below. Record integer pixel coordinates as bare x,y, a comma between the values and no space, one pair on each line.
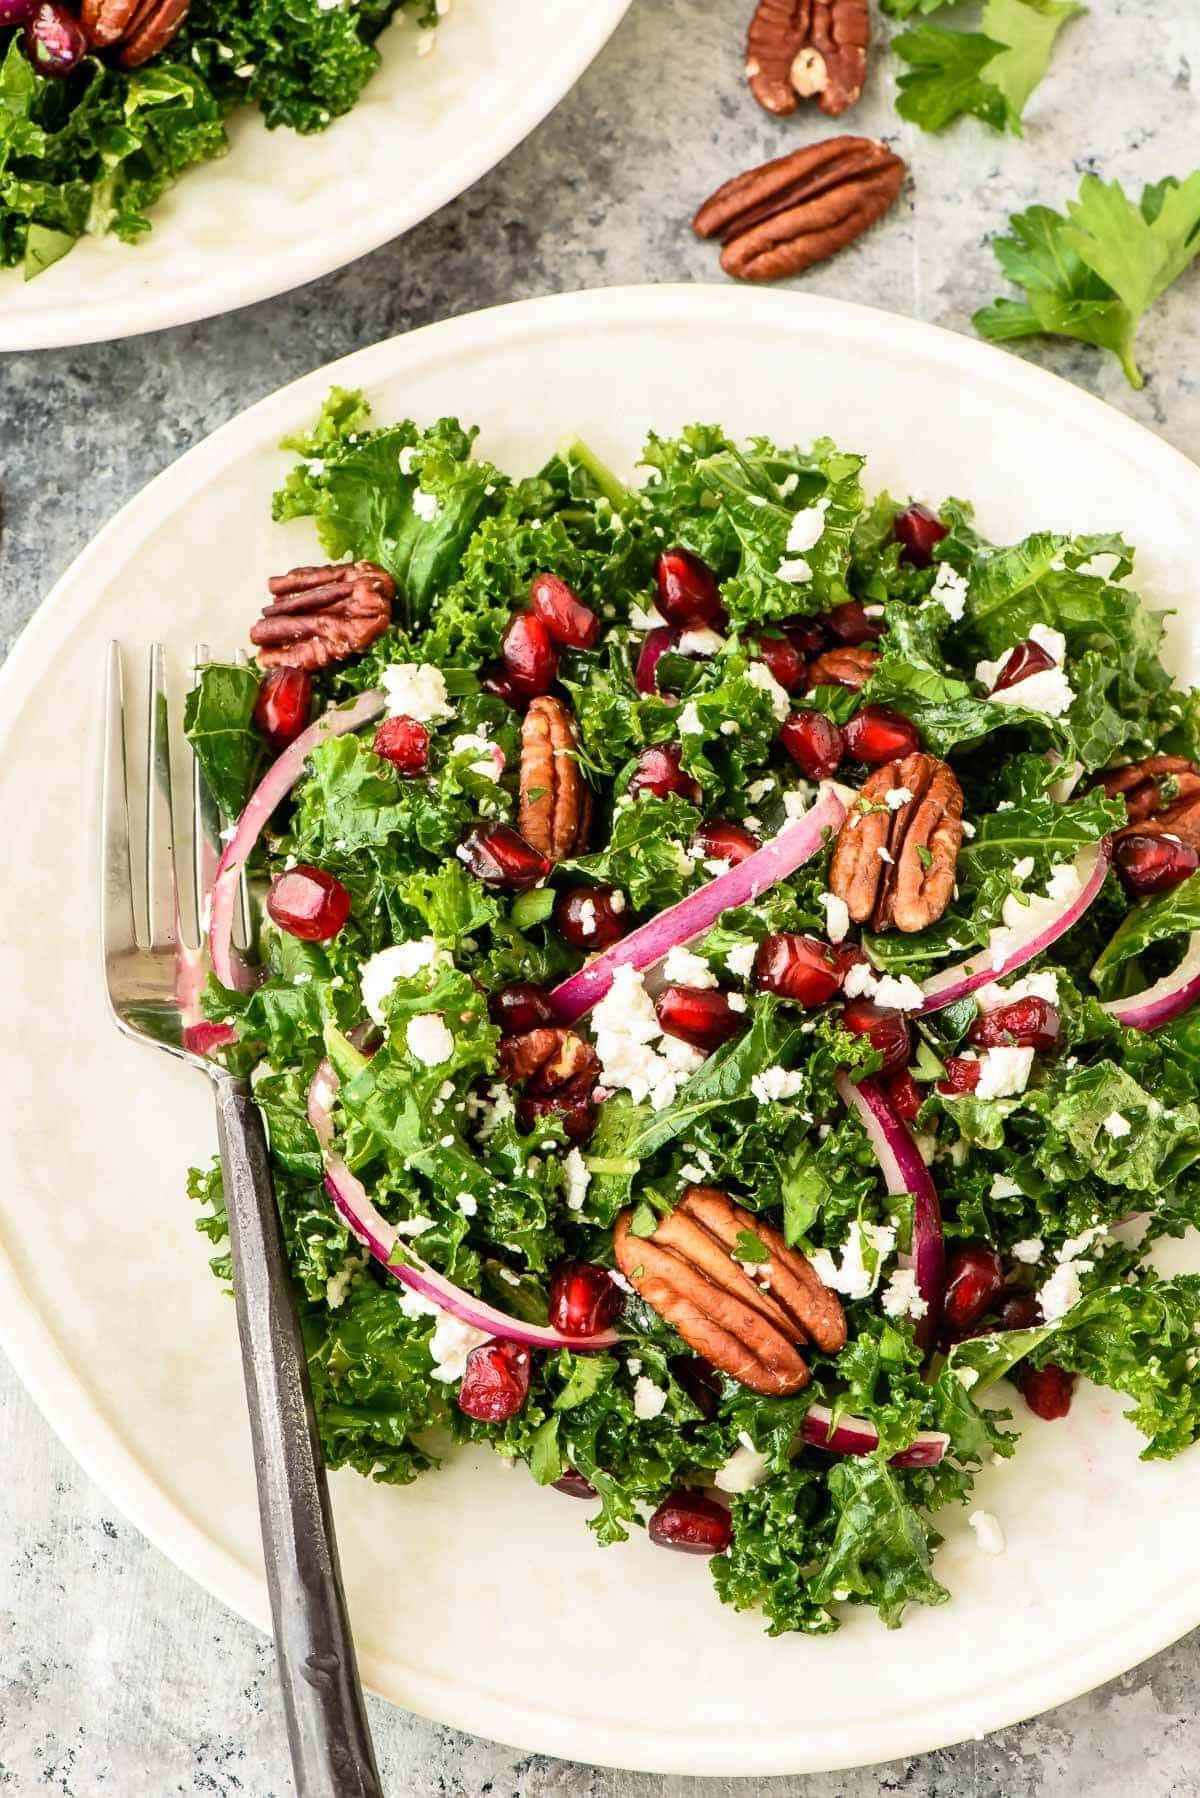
117,1676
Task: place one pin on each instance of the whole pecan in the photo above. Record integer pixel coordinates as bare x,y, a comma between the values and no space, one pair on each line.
549,1060
748,1327
323,615
843,668
785,215
555,799
808,49
1152,787
141,28
894,860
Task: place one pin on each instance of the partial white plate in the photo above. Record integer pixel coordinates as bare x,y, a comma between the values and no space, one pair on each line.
478,1599
280,210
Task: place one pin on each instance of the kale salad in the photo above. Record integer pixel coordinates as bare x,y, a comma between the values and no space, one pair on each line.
105,104
723,1001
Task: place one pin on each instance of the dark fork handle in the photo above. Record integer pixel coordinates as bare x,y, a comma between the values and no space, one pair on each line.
332,1756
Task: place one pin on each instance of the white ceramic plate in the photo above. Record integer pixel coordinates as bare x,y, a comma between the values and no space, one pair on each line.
280,210
478,1599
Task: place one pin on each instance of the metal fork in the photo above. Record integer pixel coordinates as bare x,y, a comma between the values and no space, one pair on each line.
153,967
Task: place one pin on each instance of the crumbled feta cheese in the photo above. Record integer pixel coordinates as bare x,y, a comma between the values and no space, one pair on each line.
895,797
428,1039
414,1226
884,854
578,1179
1117,1125
407,457
837,916
968,829
1052,641
1029,1250
689,721
379,973
489,756
1042,985
426,505
1003,1073
795,569
467,1203
776,1083
899,992
740,959
758,789
645,618
338,1285
988,1534
806,529
735,1001
744,1469
796,802
648,1398
851,1274
1003,1187
587,917
683,967
759,675
1061,1291
626,1031
416,690
950,591
900,1295
451,1341
701,642
860,982
1047,691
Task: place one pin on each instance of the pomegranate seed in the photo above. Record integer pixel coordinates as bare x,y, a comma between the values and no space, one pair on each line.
783,660
701,1016
53,39
308,903
688,594
719,840
574,1113
1153,864
807,635
1016,1311
1025,1024
500,857
1024,659
850,624
904,1095
920,531
886,1030
877,735
284,705
519,1007
494,680
591,917
659,772
404,742
961,1076
496,1382
797,967
655,645
700,1380
583,1300
814,743
574,1485
974,1281
691,1523
530,658
1047,1390
563,613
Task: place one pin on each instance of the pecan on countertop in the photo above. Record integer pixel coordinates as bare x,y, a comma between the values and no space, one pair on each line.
894,860
555,799
320,616
808,50
137,29
786,215
748,1327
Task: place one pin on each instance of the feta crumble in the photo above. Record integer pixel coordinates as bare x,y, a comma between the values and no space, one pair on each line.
578,1179
837,916
426,505
1003,1073
416,690
379,973
851,1275
988,1534
950,591
634,1051
1029,1250
740,959
428,1039
759,675
648,1398
1116,1125
744,1469
683,967
776,1083
689,721
900,1295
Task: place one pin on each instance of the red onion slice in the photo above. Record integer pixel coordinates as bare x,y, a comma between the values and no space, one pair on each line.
855,1436
693,916
1039,932
275,785
1159,1004
381,1238
905,1172
655,645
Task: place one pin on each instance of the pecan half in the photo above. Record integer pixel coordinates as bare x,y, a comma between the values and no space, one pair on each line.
1153,786
843,668
141,28
896,867
785,215
748,1327
323,615
808,49
549,1060
555,799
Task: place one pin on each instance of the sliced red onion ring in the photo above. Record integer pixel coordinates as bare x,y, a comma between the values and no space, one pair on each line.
1164,1001
855,1436
693,916
655,645
1027,939
275,784
905,1172
381,1238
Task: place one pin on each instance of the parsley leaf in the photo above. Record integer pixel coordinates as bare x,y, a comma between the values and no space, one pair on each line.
945,78
1027,29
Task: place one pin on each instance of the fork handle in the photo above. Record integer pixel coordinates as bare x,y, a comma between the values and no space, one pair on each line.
330,1739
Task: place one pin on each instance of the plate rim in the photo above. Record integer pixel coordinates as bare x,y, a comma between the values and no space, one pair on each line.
79,1420
283,271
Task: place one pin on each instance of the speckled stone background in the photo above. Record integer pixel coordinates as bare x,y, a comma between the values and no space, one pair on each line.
117,1675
